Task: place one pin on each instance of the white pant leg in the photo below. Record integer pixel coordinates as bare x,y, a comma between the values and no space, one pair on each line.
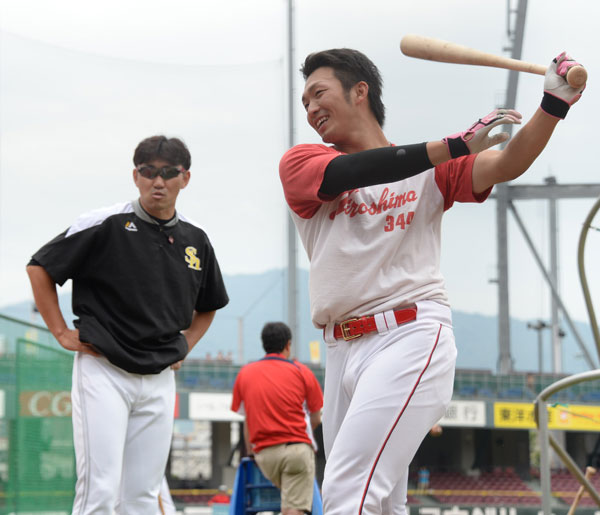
400,384
335,398
166,499
100,410
147,445
395,504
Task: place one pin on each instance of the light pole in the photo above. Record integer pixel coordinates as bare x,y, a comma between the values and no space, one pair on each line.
539,326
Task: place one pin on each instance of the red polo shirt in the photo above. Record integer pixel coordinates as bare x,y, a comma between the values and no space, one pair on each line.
276,395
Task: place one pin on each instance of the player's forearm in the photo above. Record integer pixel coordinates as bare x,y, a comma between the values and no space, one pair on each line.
376,166
438,152
530,141
494,166
526,146
197,329
46,300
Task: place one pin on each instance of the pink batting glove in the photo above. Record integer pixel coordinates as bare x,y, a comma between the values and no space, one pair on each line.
476,138
558,95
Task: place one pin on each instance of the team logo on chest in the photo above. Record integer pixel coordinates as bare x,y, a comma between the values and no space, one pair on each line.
191,259
130,226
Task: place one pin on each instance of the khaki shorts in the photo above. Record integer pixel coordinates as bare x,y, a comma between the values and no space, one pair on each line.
291,468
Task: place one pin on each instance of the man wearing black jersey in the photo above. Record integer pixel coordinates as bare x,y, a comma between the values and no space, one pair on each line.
146,285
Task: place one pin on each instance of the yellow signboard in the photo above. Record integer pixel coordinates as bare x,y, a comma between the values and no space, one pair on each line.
571,417
315,352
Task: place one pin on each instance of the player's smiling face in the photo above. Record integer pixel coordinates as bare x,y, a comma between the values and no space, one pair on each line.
158,195
329,108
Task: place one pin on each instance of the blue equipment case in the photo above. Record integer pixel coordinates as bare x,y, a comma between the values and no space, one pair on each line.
254,493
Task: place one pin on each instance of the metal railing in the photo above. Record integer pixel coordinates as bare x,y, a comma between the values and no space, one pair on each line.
546,440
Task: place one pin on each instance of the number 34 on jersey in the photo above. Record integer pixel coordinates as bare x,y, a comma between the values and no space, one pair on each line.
401,221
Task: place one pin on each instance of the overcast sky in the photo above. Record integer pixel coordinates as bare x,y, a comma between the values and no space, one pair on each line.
81,83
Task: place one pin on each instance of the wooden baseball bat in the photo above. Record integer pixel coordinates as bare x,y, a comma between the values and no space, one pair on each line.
160,505
433,49
589,472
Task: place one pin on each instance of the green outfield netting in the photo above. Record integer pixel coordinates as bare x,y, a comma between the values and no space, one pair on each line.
37,460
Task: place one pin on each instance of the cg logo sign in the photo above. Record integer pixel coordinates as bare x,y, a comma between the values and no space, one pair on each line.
45,404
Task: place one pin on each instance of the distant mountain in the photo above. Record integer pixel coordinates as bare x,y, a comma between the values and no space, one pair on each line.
477,342
259,298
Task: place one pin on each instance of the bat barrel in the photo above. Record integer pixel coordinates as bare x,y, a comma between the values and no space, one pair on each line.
433,49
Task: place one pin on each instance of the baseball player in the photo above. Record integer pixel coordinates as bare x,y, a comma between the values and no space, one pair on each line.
369,216
146,285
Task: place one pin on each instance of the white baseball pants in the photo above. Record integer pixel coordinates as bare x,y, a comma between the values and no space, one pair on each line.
383,393
122,427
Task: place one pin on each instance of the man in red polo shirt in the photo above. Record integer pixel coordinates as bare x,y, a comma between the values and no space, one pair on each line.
282,402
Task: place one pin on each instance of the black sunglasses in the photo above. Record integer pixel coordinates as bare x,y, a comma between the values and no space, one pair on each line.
166,172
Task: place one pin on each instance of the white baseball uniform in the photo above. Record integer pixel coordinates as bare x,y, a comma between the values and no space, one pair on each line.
136,285
372,250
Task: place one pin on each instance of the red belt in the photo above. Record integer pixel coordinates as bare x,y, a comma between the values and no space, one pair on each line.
356,327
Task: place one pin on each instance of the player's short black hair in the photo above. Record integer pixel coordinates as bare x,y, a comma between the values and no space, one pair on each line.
172,150
275,336
350,66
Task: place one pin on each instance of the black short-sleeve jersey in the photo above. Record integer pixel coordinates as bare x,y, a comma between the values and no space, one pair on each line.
136,283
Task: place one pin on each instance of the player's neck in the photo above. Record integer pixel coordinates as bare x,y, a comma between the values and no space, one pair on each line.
364,137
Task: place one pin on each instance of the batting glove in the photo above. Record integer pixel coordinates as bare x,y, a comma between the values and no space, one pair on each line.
558,95
475,138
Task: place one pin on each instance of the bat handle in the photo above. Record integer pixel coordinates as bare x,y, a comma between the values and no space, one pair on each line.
577,76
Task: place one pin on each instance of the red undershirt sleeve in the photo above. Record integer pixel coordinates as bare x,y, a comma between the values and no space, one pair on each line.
454,180
301,171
